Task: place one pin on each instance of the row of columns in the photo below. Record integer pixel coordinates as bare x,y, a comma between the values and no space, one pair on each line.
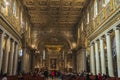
8,54
26,61
94,55
81,60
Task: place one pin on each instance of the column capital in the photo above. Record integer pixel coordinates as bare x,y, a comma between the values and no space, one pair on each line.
6,36
16,42
116,28
96,41
1,32
107,34
12,40
101,38
92,43
118,25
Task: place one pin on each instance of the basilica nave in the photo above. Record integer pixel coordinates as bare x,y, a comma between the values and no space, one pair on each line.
70,36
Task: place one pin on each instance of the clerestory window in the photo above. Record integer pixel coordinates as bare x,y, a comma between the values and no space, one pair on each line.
95,8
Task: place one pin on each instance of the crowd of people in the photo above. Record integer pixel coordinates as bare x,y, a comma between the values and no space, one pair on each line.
87,75
62,75
53,74
71,75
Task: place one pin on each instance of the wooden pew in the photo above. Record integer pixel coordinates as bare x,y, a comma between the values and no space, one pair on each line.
117,78
92,77
12,77
112,78
0,78
80,78
28,77
24,77
40,78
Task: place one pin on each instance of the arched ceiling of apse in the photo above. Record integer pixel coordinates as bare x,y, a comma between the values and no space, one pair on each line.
48,38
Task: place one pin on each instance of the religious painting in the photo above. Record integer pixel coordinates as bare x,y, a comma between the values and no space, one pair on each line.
53,63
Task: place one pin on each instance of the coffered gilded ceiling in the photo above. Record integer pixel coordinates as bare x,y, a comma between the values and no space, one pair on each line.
54,17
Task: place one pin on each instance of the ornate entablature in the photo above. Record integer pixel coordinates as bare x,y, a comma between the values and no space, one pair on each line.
105,18
112,19
7,26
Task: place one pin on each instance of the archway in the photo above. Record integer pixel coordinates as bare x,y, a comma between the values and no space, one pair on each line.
53,51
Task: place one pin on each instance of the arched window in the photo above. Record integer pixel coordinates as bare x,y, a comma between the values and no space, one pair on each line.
14,8
20,52
79,32
107,1
26,26
88,18
0,3
95,8
29,31
18,7
21,22
21,19
4,7
82,26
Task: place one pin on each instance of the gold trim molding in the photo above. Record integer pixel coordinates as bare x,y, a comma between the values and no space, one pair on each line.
112,19
5,24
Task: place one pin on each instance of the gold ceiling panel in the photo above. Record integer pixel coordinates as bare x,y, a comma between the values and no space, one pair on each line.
43,2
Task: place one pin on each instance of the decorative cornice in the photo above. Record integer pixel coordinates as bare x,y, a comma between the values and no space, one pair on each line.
112,19
9,27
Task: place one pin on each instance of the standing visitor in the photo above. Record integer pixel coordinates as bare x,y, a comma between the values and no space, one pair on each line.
99,76
46,74
53,74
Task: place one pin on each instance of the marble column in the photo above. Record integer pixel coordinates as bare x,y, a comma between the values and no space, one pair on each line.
92,59
74,62
6,55
103,65
117,38
84,59
97,58
109,55
78,63
65,61
1,49
16,60
25,60
10,68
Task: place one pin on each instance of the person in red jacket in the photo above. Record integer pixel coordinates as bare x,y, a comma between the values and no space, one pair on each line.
99,76
53,74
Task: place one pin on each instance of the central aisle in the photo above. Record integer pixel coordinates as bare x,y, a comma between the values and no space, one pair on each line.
53,79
